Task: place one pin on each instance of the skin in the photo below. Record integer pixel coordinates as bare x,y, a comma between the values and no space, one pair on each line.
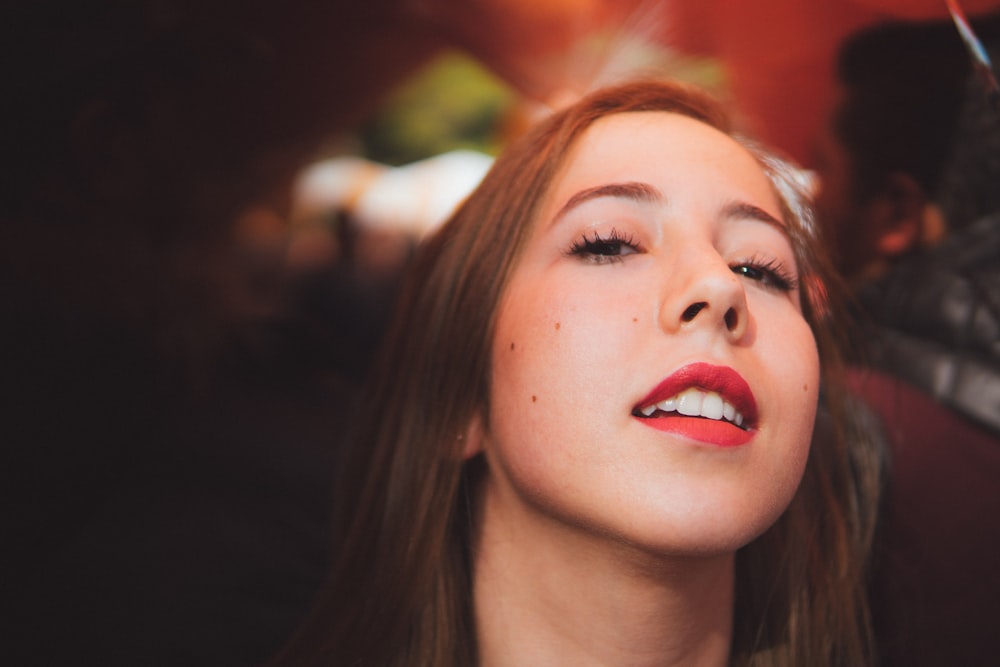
598,532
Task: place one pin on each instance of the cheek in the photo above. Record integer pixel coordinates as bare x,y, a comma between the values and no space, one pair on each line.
556,367
793,372
553,363
787,348
796,375
786,342
550,334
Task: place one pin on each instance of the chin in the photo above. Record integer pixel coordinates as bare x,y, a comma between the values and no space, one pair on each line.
714,529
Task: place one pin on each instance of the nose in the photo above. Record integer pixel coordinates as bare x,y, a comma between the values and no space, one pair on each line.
704,293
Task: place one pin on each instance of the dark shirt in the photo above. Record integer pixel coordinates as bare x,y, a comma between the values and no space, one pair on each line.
934,340
935,584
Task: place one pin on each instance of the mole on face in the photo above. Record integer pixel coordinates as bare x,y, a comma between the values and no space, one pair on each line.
534,398
557,326
512,347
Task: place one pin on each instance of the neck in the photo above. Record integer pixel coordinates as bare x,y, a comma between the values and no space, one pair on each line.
548,594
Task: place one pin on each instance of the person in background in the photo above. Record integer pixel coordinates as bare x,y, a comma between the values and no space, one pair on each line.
590,437
909,168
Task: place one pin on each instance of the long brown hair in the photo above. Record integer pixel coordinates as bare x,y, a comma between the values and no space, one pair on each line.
400,591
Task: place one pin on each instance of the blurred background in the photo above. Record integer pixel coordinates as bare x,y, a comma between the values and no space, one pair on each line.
207,207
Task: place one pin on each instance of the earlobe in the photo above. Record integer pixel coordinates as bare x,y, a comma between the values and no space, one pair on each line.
473,438
934,226
901,227
899,239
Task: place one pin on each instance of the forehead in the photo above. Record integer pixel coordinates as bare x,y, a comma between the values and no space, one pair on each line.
663,148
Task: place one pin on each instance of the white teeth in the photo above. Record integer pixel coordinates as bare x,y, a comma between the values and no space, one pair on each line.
689,402
711,406
668,405
695,402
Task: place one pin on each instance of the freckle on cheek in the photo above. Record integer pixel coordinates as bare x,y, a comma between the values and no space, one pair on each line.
557,326
805,387
534,398
635,319
512,346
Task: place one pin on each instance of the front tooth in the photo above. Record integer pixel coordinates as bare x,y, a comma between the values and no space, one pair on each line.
711,406
728,411
689,402
668,405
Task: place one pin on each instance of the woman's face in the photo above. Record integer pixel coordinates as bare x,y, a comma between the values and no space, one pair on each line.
654,307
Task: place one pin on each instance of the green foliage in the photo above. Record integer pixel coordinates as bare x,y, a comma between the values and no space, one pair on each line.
452,103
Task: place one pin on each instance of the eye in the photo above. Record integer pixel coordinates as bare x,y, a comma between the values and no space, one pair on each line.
604,249
772,274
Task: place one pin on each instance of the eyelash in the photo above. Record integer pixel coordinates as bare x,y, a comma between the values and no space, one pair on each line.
604,249
770,273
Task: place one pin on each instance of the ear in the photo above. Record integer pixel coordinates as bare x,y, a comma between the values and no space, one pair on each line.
899,215
474,438
935,226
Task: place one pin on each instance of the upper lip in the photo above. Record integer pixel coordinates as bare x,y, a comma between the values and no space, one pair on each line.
719,379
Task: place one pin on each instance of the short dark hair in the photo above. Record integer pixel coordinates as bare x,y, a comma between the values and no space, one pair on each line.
904,85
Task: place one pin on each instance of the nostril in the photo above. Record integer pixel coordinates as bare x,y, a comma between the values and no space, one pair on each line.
692,311
732,319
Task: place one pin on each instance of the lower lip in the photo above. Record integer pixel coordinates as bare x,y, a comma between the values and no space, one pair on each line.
709,431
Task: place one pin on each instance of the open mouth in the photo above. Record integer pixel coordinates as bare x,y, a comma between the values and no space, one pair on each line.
694,402
702,402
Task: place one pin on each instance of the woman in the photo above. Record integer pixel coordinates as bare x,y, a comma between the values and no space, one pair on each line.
586,439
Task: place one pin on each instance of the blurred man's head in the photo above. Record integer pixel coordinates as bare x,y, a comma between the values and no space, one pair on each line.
889,141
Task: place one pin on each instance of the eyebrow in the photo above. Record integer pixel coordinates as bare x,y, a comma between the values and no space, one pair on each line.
635,191
645,193
746,211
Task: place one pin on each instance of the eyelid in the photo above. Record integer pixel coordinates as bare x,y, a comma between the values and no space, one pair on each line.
630,193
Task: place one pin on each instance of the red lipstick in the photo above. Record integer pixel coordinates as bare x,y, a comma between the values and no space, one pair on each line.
721,380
